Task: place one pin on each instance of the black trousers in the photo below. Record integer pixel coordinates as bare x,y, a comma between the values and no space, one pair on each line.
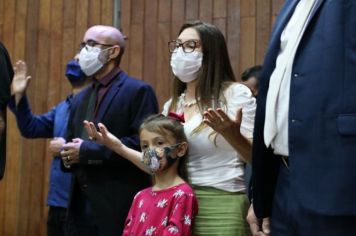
80,220
290,219
56,221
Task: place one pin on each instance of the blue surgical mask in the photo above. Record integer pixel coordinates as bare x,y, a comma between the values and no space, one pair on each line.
74,73
151,157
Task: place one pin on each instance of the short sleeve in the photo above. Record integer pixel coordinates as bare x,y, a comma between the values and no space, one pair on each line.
240,96
129,222
181,220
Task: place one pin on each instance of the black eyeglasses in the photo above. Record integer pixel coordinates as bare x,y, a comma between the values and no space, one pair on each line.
92,43
187,46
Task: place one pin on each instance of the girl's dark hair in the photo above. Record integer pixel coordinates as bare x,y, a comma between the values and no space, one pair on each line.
216,67
168,126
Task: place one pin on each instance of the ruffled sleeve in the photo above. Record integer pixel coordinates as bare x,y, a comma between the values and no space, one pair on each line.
238,95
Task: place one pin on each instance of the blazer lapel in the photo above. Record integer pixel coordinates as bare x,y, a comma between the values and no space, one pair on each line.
114,89
315,10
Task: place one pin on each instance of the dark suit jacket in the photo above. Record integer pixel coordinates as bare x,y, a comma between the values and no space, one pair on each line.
110,181
6,74
322,114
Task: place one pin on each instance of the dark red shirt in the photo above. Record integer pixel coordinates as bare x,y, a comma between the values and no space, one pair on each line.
104,86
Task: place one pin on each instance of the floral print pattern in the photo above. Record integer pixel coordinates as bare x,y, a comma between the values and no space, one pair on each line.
161,213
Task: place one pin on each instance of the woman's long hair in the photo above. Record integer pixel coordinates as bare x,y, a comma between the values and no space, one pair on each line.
216,72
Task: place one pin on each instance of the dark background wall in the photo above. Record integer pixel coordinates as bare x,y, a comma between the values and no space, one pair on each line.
46,33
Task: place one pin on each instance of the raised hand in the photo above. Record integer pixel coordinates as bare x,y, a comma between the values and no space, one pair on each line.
20,81
219,121
103,137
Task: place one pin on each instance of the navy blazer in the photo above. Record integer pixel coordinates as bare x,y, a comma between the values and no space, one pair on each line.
111,181
322,114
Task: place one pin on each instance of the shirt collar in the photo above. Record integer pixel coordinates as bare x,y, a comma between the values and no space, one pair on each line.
107,79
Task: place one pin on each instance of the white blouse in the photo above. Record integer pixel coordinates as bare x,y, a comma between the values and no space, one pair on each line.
218,166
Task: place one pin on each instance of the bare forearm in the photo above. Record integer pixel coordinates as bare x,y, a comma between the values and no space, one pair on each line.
18,97
131,155
242,145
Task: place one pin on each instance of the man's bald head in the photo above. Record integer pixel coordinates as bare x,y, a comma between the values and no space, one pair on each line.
106,35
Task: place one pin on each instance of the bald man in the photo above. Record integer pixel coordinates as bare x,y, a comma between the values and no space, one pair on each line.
6,74
104,183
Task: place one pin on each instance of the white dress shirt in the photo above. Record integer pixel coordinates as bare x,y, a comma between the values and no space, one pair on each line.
277,104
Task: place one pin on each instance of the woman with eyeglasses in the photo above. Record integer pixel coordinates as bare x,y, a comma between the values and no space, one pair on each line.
219,117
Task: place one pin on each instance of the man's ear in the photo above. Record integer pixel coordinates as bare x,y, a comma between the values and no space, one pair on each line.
182,149
114,52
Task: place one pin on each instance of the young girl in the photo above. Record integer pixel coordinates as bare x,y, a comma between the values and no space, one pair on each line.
169,207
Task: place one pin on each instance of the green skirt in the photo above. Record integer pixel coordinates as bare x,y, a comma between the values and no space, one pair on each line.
220,213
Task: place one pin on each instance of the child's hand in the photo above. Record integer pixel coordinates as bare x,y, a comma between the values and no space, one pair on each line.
103,137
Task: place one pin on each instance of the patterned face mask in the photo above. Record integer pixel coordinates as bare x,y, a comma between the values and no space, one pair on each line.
151,157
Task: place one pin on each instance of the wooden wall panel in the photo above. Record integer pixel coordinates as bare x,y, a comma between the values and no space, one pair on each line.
136,38
233,33
125,29
150,41
263,22
107,12
46,34
206,10
246,25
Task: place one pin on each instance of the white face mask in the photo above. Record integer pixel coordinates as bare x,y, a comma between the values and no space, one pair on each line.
186,65
89,60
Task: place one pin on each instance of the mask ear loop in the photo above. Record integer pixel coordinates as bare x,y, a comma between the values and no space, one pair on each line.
168,151
104,56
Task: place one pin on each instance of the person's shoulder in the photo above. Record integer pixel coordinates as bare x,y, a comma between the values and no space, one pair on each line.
142,193
82,92
184,189
132,80
236,88
78,98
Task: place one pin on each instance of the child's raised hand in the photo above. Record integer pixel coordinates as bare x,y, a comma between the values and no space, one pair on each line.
109,140
92,132
103,137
